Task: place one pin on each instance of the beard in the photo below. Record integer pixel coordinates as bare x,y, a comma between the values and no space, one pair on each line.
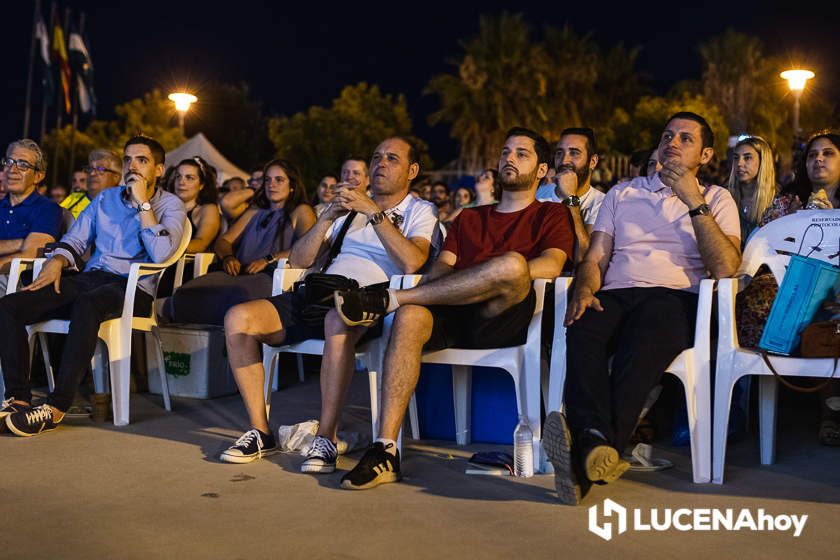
583,172
522,182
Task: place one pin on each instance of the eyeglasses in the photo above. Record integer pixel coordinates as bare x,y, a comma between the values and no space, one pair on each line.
90,170
21,164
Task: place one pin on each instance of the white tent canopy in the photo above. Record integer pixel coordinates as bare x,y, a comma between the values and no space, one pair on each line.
199,145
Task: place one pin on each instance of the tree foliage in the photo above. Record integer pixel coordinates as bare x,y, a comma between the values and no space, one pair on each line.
153,115
320,138
505,78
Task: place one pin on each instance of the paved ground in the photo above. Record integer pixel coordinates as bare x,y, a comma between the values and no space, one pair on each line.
155,490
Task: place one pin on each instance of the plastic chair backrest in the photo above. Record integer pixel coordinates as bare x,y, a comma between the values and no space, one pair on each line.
773,243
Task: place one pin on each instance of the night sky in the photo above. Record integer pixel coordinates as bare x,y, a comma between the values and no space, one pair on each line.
298,54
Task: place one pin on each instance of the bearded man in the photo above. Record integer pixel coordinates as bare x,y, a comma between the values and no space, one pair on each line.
575,157
477,294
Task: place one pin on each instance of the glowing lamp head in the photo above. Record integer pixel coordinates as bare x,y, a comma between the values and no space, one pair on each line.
796,78
182,100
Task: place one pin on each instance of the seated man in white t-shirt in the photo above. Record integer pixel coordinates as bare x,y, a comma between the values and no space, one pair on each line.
392,233
575,158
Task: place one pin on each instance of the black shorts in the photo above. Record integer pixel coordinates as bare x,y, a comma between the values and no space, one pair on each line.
462,326
289,306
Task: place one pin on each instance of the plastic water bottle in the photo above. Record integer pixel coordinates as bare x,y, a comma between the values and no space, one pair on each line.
523,449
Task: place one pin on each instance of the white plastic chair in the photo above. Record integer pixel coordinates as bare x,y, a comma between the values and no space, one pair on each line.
116,335
16,267
521,362
692,367
766,246
369,354
201,263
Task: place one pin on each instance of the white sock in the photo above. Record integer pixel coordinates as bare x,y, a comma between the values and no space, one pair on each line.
393,304
393,449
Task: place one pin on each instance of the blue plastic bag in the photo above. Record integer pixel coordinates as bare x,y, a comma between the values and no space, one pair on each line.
807,283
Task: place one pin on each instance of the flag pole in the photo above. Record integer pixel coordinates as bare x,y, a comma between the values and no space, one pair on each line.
75,114
44,104
59,112
28,107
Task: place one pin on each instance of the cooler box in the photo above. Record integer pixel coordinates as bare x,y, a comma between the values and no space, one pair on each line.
196,362
494,415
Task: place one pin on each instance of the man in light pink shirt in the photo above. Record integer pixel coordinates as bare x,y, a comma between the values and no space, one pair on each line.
635,296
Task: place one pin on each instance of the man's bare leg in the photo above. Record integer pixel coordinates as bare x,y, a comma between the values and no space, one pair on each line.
247,326
500,282
412,328
337,367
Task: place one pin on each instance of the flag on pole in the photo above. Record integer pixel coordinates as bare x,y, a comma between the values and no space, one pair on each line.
43,38
83,67
59,52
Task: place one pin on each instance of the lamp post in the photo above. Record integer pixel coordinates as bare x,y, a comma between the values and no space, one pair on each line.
182,102
796,80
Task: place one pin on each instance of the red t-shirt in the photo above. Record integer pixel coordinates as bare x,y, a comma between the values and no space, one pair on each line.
481,233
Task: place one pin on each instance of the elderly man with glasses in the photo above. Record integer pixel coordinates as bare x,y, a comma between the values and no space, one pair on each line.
103,172
28,221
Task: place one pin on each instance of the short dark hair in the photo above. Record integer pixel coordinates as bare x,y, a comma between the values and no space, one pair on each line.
331,175
540,143
705,130
639,158
588,133
298,193
158,153
413,157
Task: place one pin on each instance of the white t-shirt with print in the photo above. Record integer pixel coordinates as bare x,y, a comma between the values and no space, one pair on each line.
590,203
364,258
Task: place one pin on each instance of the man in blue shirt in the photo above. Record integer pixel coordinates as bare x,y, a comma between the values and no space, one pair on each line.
132,223
28,221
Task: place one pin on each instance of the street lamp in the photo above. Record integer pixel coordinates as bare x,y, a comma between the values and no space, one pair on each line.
182,102
796,80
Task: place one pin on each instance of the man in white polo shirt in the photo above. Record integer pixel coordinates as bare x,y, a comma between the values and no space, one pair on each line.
391,233
575,157
635,296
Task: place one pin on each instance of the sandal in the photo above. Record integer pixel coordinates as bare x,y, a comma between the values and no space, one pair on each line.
830,433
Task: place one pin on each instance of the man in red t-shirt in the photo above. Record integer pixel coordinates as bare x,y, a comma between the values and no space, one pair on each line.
478,293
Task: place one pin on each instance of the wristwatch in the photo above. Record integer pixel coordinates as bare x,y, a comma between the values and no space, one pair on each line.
269,258
573,200
376,219
702,210
144,207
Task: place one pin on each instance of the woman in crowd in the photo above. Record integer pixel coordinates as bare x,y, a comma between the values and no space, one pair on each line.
462,198
752,181
249,250
816,186
486,188
194,182
325,193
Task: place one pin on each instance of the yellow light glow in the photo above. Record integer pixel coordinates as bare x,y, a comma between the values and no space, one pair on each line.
797,78
182,100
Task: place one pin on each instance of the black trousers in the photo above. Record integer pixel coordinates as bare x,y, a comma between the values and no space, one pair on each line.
644,329
86,299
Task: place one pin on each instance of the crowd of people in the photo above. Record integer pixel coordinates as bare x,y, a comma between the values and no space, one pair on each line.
638,253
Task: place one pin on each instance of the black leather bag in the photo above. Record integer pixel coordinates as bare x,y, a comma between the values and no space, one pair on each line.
317,292
317,288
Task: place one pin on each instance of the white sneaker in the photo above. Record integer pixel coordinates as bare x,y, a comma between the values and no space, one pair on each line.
249,447
321,456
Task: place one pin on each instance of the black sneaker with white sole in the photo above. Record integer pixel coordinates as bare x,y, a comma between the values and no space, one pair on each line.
321,456
377,466
252,445
362,306
8,407
32,421
571,484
